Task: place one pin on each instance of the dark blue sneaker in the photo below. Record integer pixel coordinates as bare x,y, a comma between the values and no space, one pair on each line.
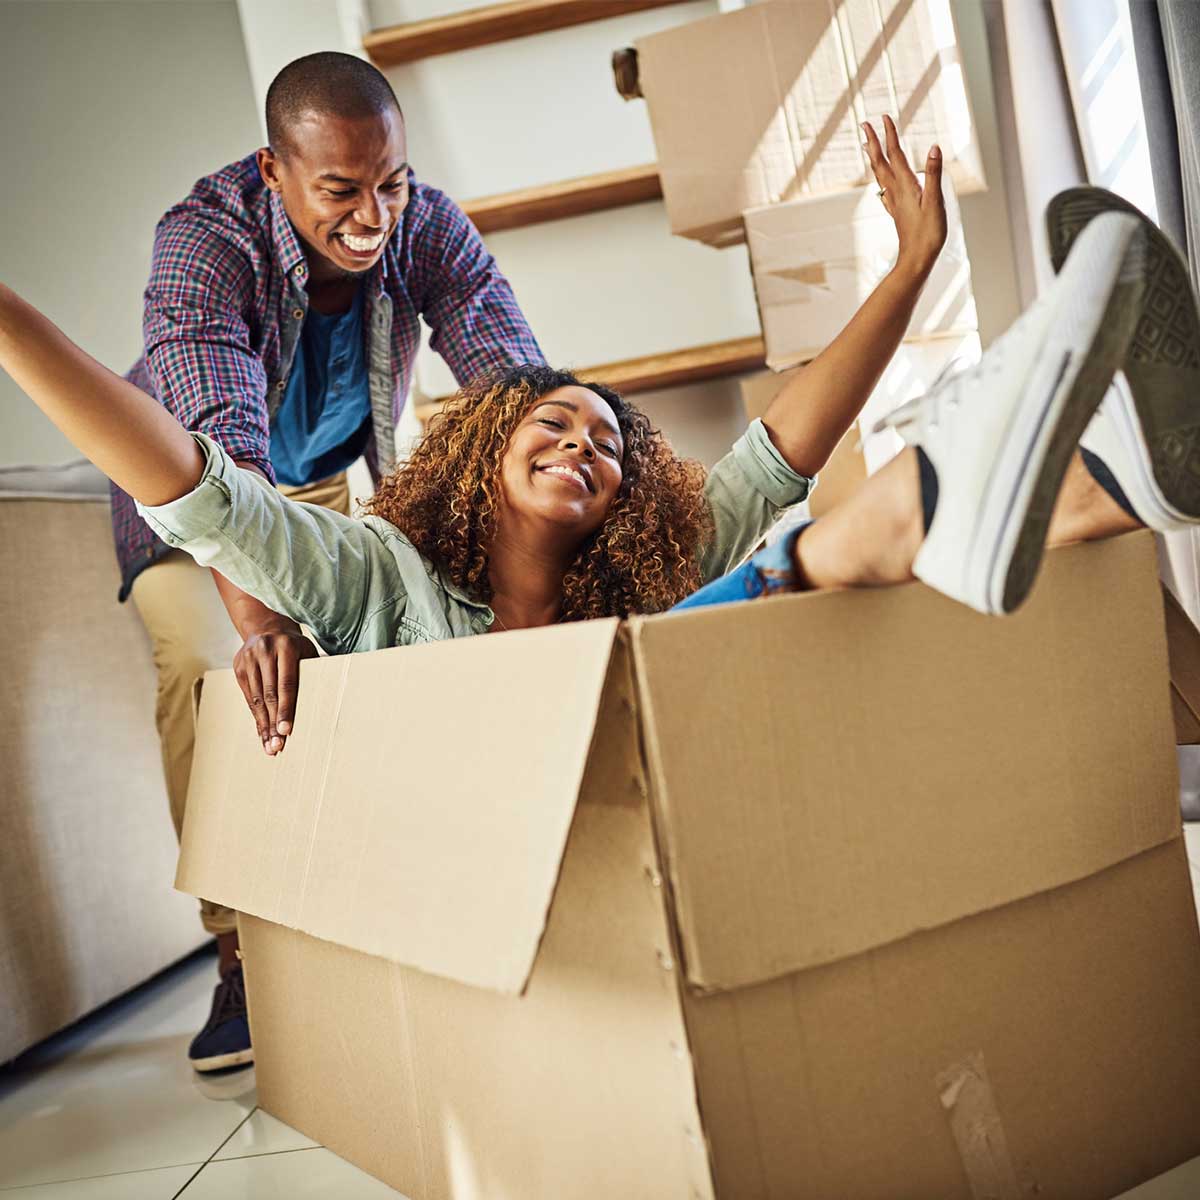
225,1041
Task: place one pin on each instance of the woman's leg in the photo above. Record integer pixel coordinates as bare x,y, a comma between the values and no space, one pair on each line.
872,538
1086,509
869,540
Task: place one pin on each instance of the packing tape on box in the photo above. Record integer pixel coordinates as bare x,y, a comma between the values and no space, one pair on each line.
966,1095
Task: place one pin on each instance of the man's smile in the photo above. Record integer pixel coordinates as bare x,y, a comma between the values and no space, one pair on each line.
360,245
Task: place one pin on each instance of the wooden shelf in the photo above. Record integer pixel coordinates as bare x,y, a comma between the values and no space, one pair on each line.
654,371
571,198
492,23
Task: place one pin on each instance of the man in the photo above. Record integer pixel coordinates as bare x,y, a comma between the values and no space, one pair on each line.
282,318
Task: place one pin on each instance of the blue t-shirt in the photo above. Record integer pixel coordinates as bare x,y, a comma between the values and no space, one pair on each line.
325,418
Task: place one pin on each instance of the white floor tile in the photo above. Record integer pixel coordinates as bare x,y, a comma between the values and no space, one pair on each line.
143,1185
299,1175
1181,1184
263,1134
117,1094
1192,840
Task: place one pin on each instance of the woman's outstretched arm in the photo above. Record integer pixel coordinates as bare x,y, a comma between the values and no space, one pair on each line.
815,409
127,434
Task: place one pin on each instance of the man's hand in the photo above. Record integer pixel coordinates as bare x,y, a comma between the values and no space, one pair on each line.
919,212
268,671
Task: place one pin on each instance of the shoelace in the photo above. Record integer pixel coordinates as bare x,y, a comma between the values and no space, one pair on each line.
925,413
231,997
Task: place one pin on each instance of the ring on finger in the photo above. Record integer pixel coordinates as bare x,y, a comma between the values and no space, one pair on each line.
881,193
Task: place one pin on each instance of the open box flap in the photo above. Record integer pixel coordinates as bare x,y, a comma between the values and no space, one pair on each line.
816,760
421,808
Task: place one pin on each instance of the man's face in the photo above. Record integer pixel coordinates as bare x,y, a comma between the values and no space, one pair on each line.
344,185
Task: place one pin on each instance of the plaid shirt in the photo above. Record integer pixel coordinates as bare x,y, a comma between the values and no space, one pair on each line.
226,302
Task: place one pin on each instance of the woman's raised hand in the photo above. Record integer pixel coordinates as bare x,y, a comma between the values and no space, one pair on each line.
918,212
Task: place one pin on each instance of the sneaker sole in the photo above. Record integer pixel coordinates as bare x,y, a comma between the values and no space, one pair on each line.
1067,380
1101,360
1162,363
219,1062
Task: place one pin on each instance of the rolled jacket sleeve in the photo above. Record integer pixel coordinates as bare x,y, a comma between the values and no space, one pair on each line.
747,492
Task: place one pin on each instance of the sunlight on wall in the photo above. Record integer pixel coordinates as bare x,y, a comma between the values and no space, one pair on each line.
1097,45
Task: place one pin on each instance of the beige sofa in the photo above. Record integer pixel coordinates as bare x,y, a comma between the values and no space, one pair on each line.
87,852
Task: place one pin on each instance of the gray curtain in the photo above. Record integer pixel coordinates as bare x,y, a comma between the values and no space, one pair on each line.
1166,40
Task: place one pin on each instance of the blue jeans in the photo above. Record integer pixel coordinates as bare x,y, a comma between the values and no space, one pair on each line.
770,570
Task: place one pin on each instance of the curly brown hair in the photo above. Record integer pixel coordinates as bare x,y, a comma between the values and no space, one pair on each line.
446,496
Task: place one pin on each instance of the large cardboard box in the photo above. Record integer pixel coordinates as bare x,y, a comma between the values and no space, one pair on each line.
764,104
854,894
817,259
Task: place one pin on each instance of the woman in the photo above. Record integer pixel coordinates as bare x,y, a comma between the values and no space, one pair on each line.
538,498
499,566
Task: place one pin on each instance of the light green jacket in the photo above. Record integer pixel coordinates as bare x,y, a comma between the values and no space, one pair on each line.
360,584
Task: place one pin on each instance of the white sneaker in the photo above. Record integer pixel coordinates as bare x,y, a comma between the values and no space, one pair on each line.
999,436
1147,429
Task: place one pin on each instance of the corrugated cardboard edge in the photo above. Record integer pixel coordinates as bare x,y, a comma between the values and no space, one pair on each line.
661,881
656,787
639,700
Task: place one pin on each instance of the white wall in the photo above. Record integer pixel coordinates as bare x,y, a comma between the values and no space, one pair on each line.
112,109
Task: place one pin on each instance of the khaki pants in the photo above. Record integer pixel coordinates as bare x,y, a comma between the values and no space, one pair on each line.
191,633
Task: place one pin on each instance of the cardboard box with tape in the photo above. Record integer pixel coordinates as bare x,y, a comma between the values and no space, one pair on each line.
851,893
816,260
763,105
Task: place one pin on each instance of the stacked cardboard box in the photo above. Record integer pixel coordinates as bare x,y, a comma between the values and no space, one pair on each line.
756,117
845,894
763,105
816,260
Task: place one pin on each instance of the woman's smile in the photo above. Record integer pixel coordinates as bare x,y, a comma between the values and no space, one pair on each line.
570,473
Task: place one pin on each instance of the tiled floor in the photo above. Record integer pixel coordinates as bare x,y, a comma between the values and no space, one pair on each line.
111,1111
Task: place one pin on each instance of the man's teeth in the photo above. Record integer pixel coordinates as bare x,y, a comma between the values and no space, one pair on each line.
362,244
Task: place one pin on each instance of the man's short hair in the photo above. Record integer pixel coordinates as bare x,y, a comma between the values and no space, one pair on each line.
326,83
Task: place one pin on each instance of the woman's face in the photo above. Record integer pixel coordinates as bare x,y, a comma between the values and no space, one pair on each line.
563,462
